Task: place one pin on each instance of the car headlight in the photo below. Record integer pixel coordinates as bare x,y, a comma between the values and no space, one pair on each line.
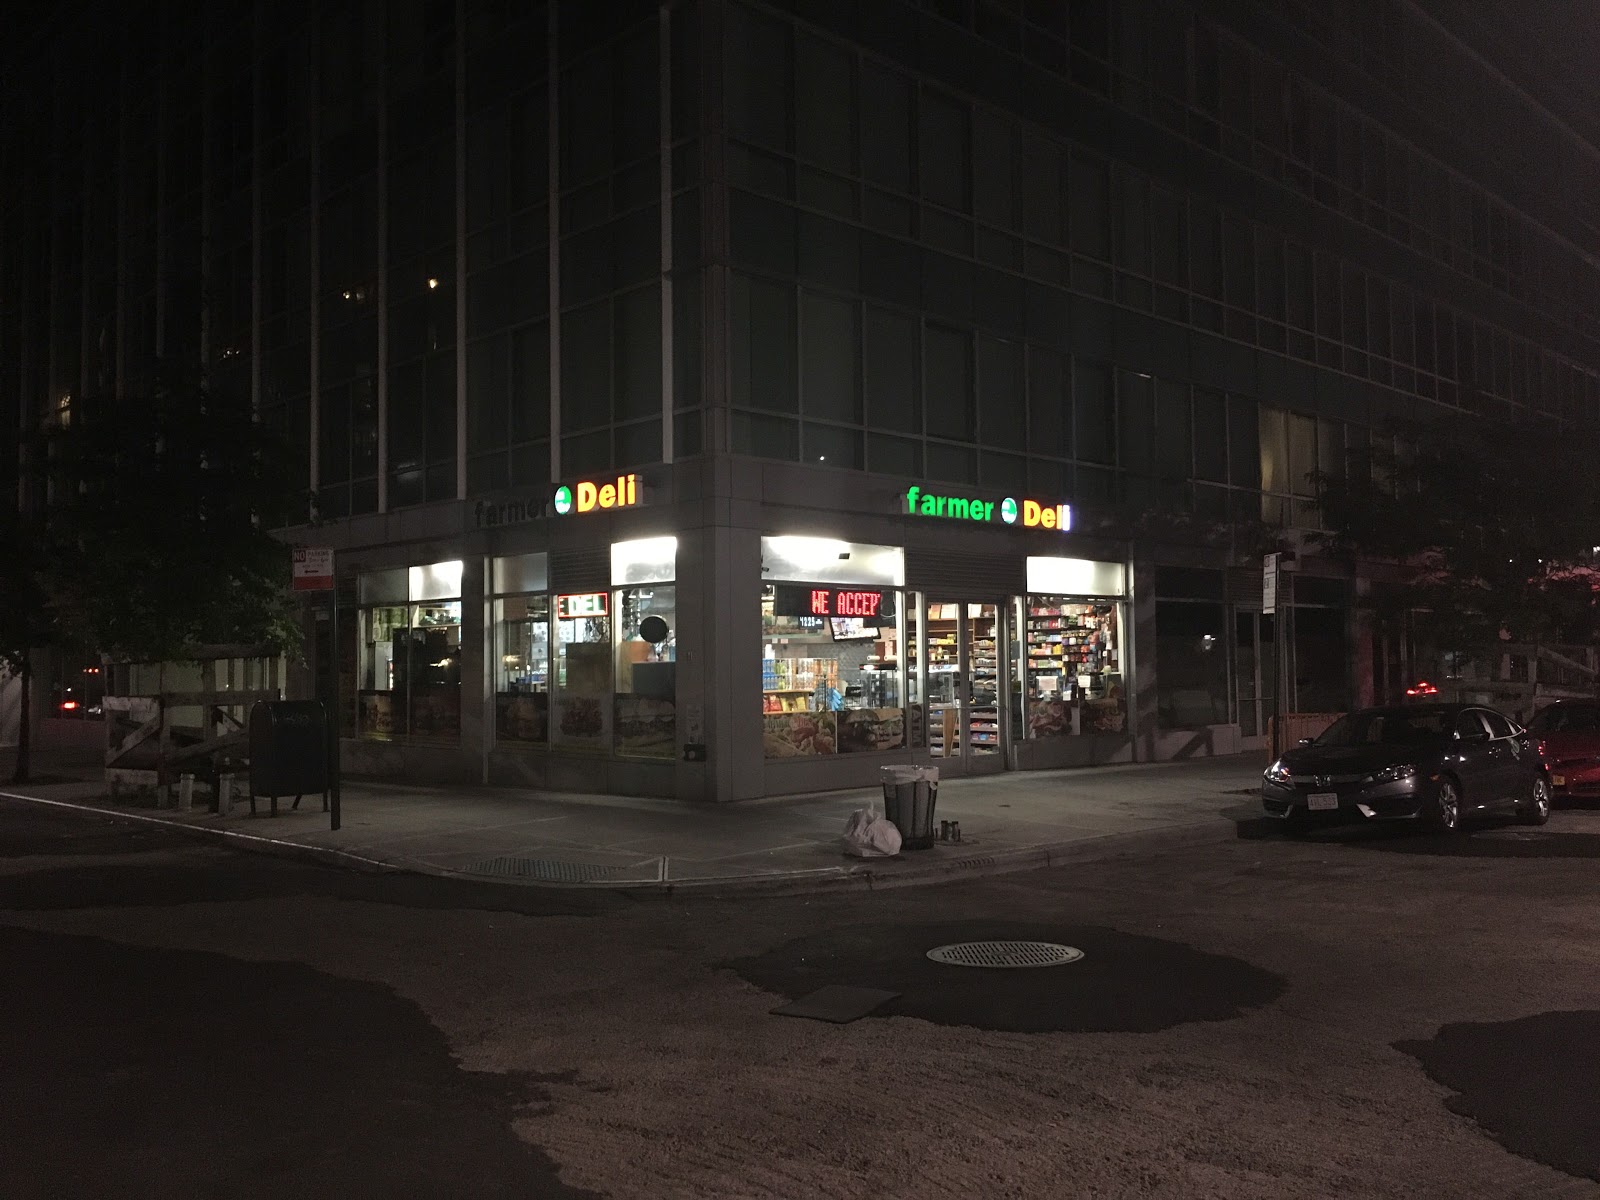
1278,773
1393,774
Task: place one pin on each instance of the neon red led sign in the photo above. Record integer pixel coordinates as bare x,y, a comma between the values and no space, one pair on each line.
796,600
832,602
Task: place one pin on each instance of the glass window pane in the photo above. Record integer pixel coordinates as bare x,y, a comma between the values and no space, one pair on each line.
522,668
891,376
1173,435
762,350
1049,407
948,382
1244,456
1002,415
429,673
1041,191
522,573
1091,228
994,199
647,682
943,162
583,707
1210,436
824,104
830,360
1074,683
1192,672
439,581
885,128
1094,412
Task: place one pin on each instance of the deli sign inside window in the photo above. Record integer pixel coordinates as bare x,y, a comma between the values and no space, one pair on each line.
796,600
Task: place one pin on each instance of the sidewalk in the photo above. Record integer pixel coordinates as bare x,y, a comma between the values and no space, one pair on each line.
1008,822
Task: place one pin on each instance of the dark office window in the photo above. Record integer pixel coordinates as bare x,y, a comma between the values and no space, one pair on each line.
762,345
825,112
993,147
885,128
944,162
1210,436
1091,227
893,392
948,383
1094,412
1049,403
1136,452
1001,401
830,361
1244,451
760,83
1041,191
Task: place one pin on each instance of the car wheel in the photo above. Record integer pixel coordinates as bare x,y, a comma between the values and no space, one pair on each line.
1537,810
1442,814
1297,824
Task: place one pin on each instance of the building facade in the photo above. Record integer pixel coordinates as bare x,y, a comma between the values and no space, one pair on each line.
722,399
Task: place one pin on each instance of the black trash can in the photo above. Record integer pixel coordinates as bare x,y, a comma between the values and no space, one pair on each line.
909,795
288,751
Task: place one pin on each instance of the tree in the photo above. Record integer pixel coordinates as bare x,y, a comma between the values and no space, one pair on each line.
27,622
155,537
1496,522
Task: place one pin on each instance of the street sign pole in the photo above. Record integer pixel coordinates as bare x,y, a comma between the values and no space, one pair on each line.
333,717
1269,608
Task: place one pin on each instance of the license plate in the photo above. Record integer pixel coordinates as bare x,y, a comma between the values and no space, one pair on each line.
1321,801
1558,781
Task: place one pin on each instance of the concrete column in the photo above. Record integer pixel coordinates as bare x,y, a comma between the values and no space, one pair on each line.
474,666
1361,632
553,206
461,248
1141,654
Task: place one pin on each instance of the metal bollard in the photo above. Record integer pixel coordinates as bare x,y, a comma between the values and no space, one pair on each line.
185,792
225,795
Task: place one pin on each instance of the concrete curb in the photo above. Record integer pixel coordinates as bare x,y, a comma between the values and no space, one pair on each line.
865,878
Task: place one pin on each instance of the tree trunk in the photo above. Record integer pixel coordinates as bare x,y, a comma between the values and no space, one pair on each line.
24,724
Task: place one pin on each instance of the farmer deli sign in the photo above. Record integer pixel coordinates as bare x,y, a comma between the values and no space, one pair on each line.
1030,514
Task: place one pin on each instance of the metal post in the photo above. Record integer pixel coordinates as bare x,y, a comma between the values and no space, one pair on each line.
333,713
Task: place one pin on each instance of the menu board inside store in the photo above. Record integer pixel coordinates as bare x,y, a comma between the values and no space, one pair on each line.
871,605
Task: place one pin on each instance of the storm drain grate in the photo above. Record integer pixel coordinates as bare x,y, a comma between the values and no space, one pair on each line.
1005,954
547,870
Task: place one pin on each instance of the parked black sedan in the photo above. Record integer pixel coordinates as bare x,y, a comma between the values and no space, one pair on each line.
1433,763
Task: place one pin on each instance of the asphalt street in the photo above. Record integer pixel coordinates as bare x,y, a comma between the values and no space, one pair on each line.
1362,1013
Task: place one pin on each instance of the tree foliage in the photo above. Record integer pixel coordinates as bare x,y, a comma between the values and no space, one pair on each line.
27,617
1496,523
155,540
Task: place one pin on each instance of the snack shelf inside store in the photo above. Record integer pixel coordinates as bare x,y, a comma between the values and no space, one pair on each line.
983,720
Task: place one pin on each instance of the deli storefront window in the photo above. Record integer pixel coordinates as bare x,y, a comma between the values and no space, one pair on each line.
1074,650
410,653
522,650
831,670
645,603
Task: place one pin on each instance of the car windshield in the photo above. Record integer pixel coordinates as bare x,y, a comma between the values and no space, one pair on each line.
1566,718
1386,728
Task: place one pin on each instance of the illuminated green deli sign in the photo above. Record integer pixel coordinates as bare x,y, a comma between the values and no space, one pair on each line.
1028,513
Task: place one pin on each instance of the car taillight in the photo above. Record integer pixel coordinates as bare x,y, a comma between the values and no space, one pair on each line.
1541,748
68,705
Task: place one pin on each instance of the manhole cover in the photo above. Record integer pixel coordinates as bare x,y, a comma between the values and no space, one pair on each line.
544,869
1005,954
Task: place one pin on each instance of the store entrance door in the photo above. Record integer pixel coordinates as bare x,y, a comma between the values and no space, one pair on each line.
968,701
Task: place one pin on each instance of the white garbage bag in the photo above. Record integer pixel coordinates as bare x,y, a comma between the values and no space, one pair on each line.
867,834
